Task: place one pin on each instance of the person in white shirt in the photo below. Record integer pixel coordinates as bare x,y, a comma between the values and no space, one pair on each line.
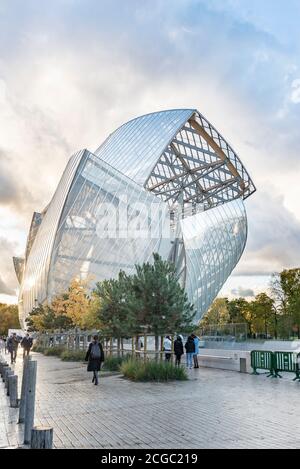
168,348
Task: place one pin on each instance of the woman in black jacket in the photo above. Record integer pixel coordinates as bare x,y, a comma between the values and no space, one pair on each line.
190,350
95,357
178,350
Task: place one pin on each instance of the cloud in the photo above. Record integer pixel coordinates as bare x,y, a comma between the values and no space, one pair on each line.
295,94
5,290
8,280
242,292
13,192
274,236
71,73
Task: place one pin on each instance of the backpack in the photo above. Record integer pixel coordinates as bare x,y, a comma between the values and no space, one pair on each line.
95,352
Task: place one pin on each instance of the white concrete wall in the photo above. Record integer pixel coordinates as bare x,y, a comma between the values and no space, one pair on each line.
231,363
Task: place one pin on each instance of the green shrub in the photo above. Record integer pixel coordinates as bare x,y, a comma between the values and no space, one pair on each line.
138,370
113,363
38,348
54,351
73,355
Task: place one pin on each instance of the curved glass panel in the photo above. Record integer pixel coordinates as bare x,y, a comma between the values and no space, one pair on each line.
19,267
214,241
35,224
135,147
109,223
34,285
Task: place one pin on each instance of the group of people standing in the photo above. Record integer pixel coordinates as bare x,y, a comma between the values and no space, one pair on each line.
191,347
95,353
11,344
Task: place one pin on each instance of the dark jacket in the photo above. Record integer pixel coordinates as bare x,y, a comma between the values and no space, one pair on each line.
190,345
26,343
12,344
94,364
178,347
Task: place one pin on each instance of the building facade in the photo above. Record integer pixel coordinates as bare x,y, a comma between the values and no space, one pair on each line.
166,182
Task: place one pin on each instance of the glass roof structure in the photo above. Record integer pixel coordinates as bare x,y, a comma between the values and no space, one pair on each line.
165,182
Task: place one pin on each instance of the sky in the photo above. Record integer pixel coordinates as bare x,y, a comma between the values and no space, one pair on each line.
71,71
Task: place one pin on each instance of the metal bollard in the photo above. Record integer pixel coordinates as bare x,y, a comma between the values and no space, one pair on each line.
243,365
7,374
13,391
3,365
4,373
30,401
24,390
41,438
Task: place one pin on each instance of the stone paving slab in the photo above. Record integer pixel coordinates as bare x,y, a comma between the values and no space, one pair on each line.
214,409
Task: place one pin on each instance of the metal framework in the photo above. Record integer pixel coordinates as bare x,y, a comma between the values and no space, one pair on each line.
199,165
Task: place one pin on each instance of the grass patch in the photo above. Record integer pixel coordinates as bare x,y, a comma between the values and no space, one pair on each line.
137,370
38,349
53,351
113,363
73,355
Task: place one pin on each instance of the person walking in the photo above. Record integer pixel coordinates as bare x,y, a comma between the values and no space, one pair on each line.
26,344
95,358
195,356
190,350
168,348
178,350
12,347
5,345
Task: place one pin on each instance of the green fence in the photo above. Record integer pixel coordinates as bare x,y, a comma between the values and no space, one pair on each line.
275,362
262,360
287,362
298,368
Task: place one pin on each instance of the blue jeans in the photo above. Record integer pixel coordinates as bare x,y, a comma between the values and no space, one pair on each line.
189,360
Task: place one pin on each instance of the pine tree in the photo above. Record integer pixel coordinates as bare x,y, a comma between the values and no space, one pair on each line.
164,307
117,309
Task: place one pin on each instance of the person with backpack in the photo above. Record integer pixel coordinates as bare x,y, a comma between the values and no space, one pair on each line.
26,344
95,358
12,347
178,350
190,350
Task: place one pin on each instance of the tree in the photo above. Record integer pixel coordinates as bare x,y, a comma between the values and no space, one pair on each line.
59,309
91,320
116,311
163,303
43,318
9,318
263,313
286,294
224,311
35,319
218,313
75,303
150,301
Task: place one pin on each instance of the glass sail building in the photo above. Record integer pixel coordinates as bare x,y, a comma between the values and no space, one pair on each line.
166,182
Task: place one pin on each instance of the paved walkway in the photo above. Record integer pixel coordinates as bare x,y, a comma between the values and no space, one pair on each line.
214,409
